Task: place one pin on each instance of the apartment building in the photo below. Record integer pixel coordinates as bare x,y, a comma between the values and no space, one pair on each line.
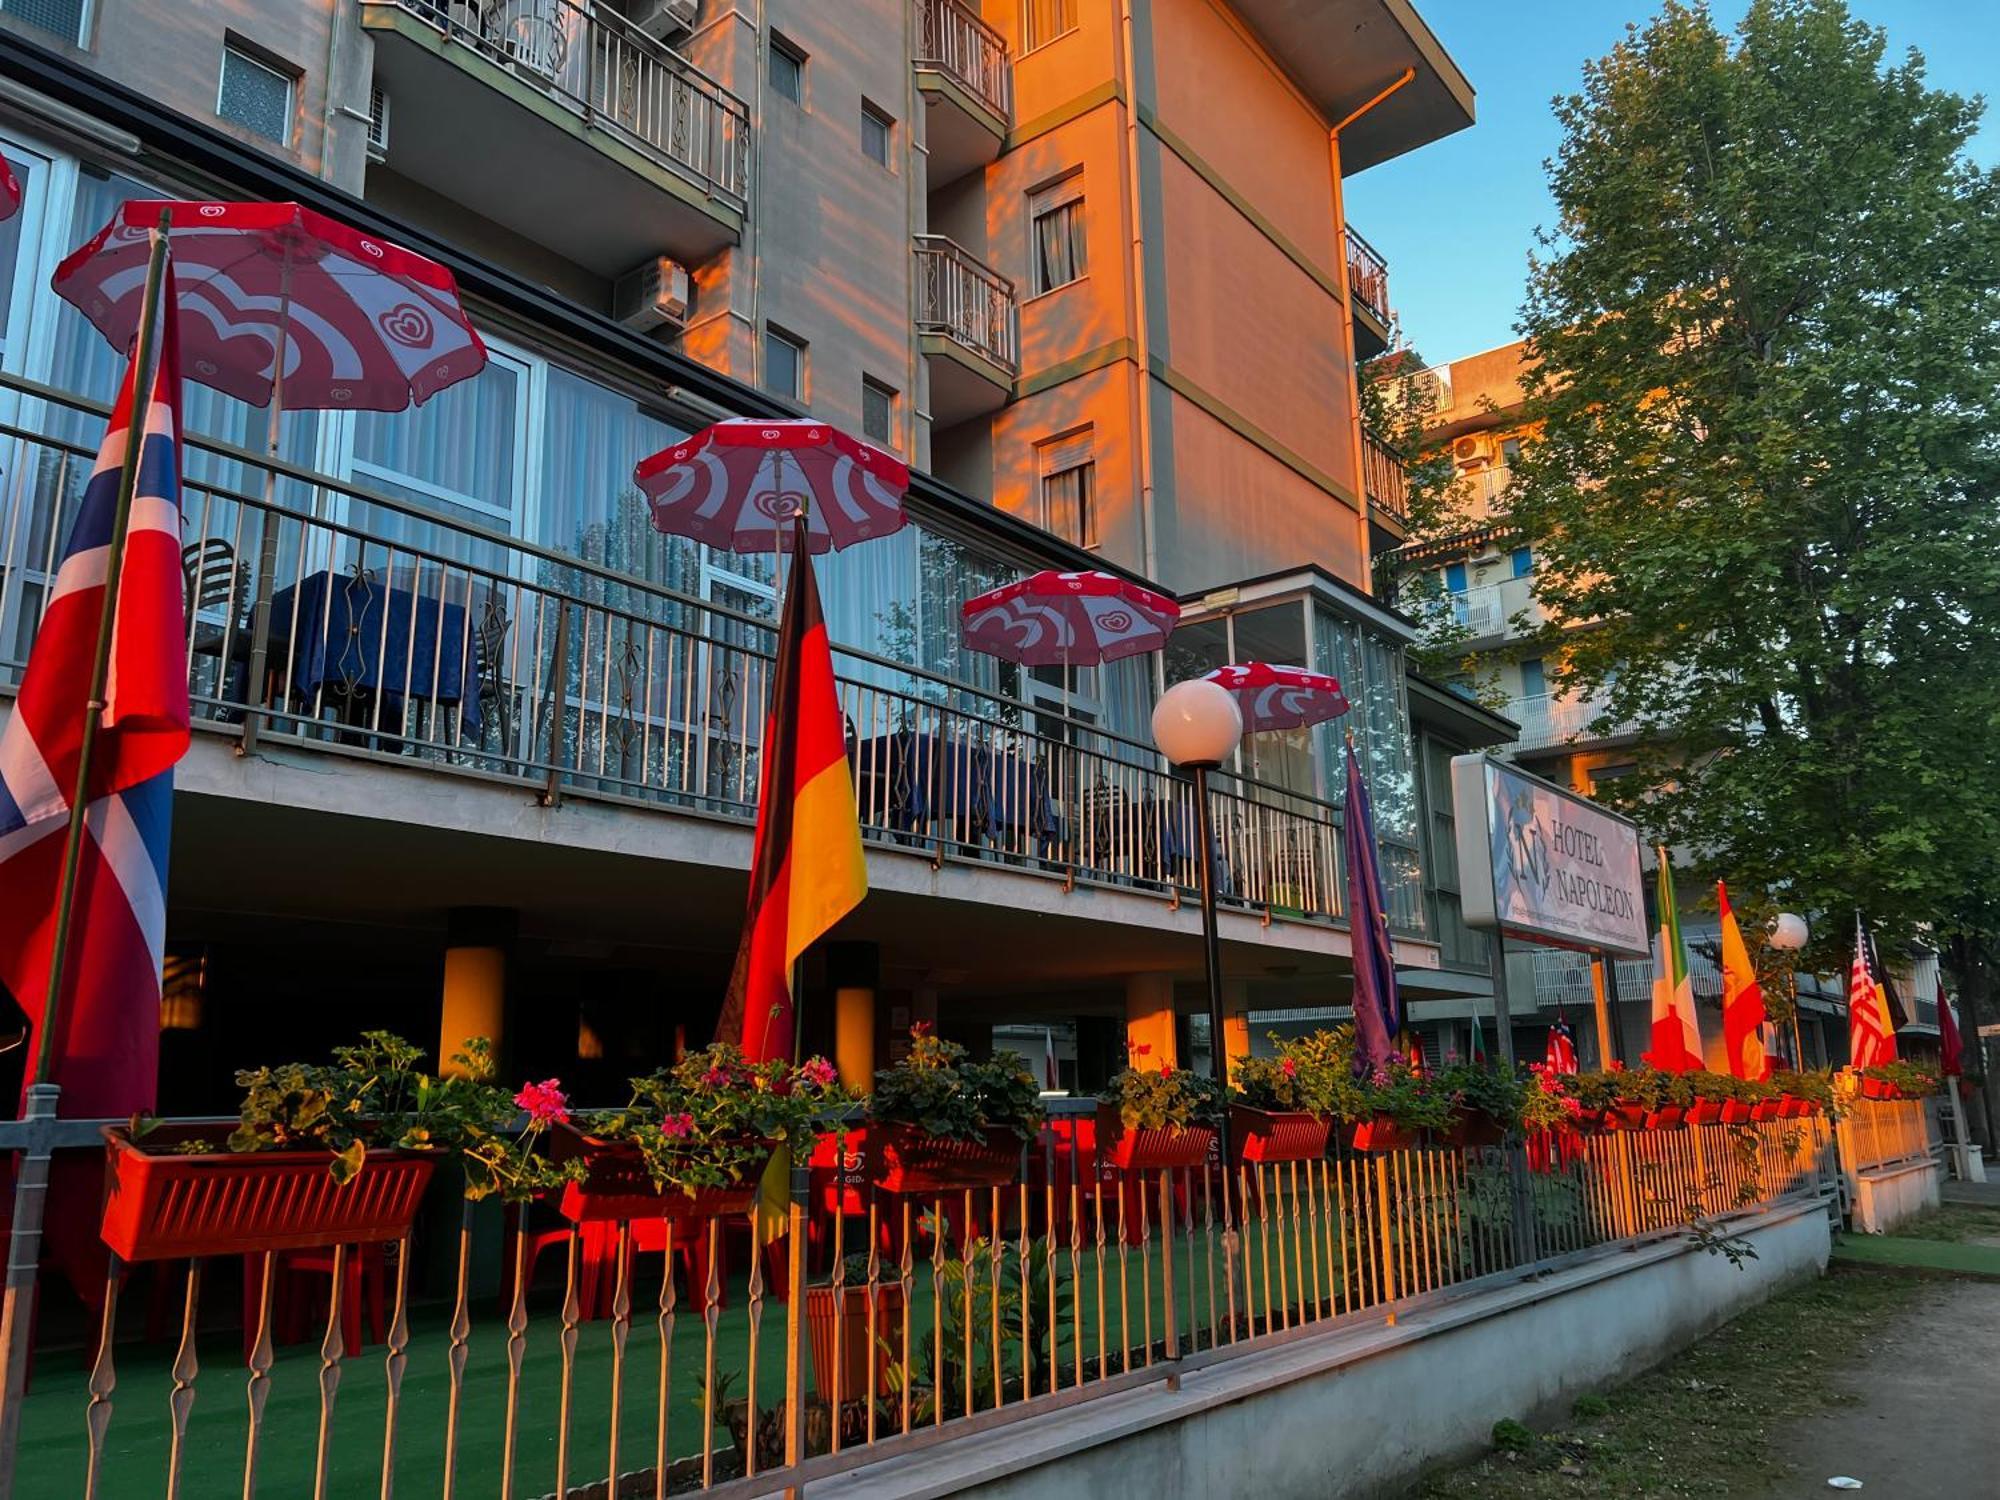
1083,264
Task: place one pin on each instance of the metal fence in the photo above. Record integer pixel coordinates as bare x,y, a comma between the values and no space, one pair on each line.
354,621
879,1323
592,60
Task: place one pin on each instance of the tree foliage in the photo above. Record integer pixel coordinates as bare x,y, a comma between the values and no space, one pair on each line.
1766,335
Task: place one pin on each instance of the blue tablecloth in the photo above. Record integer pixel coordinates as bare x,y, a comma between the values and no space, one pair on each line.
354,634
920,778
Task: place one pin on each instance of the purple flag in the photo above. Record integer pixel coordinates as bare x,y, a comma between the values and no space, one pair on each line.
1378,1009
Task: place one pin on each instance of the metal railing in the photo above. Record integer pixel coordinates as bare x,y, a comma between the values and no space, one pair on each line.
1385,480
596,63
1547,720
1367,275
394,631
953,40
878,1324
967,301
1563,979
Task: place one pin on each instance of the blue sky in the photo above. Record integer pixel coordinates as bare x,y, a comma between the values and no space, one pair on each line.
1457,218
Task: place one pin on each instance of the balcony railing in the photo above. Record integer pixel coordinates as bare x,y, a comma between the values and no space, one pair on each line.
1383,476
953,40
967,301
879,1324
594,62
397,632
1547,720
1367,275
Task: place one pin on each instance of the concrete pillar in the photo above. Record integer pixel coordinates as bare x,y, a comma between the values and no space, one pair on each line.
475,980
1235,1021
854,971
1149,1021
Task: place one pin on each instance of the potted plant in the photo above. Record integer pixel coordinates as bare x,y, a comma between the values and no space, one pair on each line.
323,1154
940,1122
1155,1119
694,1138
1608,1099
1723,1099
849,1311
1805,1093
1486,1102
1282,1108
1401,1103
1897,1080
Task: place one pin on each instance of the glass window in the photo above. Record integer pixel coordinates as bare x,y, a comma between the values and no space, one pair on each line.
1534,680
589,506
784,364
1524,561
875,131
1060,254
1454,578
256,96
1042,21
787,71
30,175
878,412
63,18
1510,451
1069,500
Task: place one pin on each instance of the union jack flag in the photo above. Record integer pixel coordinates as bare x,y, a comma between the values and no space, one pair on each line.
108,1028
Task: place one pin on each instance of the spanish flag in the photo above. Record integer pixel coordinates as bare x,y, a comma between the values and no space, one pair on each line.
807,870
1742,1000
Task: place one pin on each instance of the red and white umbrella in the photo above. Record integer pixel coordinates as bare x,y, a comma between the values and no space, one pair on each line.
10,191
362,324
1281,697
740,483
1067,619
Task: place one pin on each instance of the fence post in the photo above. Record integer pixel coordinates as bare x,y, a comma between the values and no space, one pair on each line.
552,788
795,1282
24,1253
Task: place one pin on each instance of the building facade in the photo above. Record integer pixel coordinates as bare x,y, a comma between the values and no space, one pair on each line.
1071,259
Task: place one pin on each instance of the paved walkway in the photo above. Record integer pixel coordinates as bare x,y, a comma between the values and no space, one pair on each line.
1926,1415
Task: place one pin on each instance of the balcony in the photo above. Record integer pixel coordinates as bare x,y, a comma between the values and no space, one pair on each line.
1549,721
1490,610
1368,284
1388,487
967,80
643,153
968,319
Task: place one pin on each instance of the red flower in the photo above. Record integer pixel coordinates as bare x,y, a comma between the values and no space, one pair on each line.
922,1028
818,1072
679,1127
544,1102
1288,1067
1140,1049
1166,1070
716,1078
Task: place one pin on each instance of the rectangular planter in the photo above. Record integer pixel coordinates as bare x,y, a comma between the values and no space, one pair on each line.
1668,1117
1767,1109
854,1344
1260,1135
161,1205
1382,1134
1471,1130
1150,1150
616,1186
903,1159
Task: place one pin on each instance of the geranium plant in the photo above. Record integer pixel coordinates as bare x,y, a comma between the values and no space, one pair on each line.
1495,1091
1404,1096
1163,1098
1813,1087
1309,1075
940,1091
713,1118
1546,1103
1906,1078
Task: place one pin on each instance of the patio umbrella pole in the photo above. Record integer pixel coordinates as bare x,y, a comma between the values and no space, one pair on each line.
32,1176
267,537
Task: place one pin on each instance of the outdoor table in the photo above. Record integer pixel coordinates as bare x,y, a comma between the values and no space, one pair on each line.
924,778
351,635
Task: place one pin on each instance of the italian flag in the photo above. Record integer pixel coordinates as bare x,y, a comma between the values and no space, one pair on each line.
1676,1035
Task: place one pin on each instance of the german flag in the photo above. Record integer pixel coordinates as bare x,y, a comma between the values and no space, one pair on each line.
807,871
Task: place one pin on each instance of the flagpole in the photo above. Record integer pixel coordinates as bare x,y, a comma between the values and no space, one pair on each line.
121,516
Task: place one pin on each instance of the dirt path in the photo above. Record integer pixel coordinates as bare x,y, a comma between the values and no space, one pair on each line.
1925,1414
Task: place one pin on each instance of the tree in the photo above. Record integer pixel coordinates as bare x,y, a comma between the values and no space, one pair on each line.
1766,335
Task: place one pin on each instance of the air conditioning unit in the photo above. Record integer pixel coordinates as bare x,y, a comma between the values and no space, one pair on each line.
665,20
652,295
378,123
1473,448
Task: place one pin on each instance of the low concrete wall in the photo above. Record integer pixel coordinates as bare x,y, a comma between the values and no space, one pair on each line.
1886,1196
1364,1408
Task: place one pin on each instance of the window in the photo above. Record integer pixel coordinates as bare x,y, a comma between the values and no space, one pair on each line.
1042,21
1059,253
1534,680
876,128
63,18
1510,451
784,364
256,96
1454,578
878,412
1069,502
1524,561
787,70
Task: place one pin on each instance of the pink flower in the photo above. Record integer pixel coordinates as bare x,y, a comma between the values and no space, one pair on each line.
716,1077
922,1028
1288,1067
544,1102
677,1127
818,1072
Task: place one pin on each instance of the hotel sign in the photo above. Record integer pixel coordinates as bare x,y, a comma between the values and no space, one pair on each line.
1541,863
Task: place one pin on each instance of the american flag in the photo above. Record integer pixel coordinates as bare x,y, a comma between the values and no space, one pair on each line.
106,1045
1871,1033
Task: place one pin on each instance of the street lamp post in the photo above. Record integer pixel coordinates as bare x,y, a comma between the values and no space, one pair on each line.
1196,724
1789,933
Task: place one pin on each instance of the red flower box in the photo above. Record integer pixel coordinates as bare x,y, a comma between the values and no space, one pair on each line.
1669,1117
1735,1112
1705,1112
903,1159
1150,1149
1767,1109
1472,1129
616,1185
857,1353
1794,1109
1879,1088
160,1204
1260,1135
1625,1115
1381,1133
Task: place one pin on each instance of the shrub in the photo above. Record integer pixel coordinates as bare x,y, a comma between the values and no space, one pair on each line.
940,1092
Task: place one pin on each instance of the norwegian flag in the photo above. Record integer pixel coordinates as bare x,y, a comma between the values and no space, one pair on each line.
106,1045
